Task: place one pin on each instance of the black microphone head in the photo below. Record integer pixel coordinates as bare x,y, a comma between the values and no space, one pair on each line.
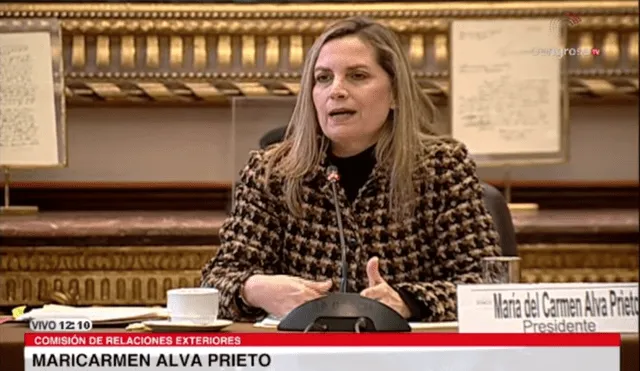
332,174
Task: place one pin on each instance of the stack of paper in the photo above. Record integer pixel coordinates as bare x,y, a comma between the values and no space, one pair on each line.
269,322
97,315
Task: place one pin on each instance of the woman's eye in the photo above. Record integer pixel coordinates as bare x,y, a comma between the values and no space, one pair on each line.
322,78
358,75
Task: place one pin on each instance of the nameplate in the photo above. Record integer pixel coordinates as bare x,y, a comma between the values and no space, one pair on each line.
548,308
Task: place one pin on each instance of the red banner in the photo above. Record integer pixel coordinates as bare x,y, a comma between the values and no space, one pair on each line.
321,340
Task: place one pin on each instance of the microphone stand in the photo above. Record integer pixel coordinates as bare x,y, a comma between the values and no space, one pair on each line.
343,245
343,311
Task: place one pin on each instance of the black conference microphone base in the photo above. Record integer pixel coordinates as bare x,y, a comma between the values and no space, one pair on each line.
344,312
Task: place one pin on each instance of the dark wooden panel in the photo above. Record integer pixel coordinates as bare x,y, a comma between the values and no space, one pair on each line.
121,196
576,195
70,196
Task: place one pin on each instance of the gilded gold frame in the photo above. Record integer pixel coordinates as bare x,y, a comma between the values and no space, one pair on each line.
208,53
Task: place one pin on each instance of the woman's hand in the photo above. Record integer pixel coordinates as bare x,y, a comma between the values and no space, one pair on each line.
280,294
380,290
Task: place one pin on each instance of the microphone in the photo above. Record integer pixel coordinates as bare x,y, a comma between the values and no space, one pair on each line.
343,311
334,177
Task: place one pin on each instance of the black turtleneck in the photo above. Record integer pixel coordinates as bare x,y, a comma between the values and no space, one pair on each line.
354,172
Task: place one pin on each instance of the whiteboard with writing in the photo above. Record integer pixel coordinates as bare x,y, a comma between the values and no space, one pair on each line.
31,128
549,308
506,96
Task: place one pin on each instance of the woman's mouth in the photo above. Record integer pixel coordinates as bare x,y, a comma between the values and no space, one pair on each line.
340,115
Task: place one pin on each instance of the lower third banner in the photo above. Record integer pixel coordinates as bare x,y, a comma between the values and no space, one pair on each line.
311,352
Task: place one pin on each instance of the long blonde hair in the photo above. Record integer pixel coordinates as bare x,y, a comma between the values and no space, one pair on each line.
402,137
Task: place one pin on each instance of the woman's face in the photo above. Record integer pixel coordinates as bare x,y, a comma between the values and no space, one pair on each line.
352,95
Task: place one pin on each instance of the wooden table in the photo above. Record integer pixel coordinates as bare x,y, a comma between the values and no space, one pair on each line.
12,345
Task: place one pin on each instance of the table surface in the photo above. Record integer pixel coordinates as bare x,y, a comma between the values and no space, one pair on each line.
12,344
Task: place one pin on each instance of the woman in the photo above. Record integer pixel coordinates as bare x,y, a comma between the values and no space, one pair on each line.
411,203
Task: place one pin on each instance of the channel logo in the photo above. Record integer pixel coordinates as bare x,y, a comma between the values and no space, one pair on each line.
567,20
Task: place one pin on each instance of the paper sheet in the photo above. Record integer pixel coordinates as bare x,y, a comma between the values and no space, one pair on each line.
28,126
505,96
96,314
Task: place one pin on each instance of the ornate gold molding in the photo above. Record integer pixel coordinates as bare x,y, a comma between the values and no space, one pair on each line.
141,275
583,90
579,263
188,53
98,275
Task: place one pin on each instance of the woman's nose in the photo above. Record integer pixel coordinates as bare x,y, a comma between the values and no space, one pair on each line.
338,91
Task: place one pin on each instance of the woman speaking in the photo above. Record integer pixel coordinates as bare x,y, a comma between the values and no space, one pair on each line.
410,202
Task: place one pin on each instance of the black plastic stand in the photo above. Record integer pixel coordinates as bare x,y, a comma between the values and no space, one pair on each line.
344,312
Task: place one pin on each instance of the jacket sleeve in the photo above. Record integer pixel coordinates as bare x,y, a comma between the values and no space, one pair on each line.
250,239
464,233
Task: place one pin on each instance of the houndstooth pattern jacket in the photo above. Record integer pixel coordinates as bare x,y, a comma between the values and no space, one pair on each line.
425,255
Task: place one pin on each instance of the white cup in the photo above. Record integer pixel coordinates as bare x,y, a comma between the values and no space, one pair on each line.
194,305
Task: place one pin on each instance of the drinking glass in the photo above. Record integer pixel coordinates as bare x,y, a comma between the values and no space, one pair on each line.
501,269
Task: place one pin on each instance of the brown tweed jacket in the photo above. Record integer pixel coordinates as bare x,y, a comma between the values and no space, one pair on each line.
424,255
